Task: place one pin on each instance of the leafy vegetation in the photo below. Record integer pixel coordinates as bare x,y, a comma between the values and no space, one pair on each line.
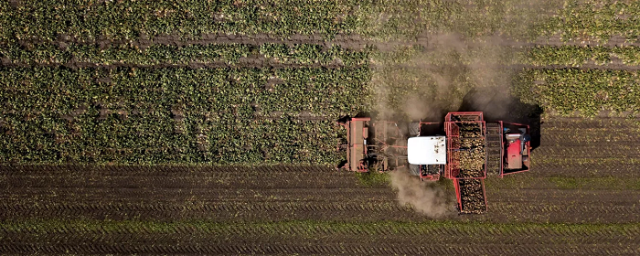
175,115
607,182
579,55
311,228
129,20
598,20
237,114
581,183
90,20
586,91
373,178
158,54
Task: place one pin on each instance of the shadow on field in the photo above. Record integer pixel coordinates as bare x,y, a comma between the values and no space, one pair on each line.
500,106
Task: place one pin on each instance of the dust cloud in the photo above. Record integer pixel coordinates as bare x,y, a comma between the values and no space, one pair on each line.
451,74
427,198
453,67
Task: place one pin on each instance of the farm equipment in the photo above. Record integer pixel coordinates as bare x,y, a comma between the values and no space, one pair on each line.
374,145
469,150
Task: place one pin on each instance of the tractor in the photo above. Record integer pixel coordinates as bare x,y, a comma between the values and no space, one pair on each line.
464,148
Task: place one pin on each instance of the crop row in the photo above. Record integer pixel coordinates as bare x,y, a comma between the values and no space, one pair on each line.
578,55
157,138
406,81
573,19
89,20
129,20
175,115
313,228
586,91
47,54
566,55
412,77
219,90
598,20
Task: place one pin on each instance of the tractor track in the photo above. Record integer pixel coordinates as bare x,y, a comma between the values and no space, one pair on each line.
504,207
576,123
315,195
357,248
299,234
605,150
598,147
538,195
616,168
145,197
236,209
351,245
588,212
216,211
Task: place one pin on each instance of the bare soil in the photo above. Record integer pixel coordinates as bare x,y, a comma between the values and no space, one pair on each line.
237,196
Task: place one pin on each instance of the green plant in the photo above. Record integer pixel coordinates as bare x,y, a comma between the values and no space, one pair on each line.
373,178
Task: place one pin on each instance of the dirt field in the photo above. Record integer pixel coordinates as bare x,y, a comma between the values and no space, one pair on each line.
229,82
567,203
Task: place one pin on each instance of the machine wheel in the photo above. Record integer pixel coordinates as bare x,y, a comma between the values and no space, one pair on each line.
414,129
414,170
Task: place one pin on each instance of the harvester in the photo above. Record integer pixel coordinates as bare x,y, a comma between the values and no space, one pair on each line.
463,149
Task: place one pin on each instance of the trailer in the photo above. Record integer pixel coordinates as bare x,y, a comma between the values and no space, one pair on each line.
465,151
466,159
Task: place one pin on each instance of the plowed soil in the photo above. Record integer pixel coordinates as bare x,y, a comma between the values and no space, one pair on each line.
579,199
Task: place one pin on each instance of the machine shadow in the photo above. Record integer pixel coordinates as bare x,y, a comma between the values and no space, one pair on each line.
498,107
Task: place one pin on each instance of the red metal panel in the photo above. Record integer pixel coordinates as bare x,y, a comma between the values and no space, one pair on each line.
501,149
354,145
484,194
453,161
477,116
528,146
456,187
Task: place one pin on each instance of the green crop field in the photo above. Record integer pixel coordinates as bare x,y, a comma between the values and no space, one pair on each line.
81,83
178,123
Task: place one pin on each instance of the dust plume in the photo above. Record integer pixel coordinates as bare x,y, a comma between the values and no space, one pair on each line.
426,198
451,74
460,63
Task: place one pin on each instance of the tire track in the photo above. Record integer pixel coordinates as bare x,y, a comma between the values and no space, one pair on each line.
333,249
556,195
454,233
603,151
226,211
510,212
578,169
582,123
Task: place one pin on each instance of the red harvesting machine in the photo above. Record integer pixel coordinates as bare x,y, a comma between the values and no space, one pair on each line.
470,149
